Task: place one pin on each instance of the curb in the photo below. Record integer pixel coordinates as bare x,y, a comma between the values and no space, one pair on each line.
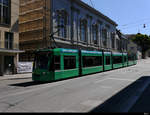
6,77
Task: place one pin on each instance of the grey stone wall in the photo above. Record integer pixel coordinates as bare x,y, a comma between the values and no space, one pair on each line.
76,12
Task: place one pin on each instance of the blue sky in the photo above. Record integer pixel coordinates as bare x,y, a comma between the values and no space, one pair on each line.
130,15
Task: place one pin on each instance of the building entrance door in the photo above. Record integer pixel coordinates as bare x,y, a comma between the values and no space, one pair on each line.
8,65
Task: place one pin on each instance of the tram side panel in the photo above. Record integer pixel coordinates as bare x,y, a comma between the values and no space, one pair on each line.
69,64
91,62
125,60
130,60
107,61
117,60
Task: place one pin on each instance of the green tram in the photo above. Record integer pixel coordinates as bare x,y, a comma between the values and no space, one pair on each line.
107,61
55,64
117,60
125,59
91,62
132,60
59,63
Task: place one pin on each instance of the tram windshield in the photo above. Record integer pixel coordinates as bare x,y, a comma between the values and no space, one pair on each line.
41,60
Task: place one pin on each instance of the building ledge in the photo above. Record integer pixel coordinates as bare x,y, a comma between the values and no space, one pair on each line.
10,51
29,11
23,22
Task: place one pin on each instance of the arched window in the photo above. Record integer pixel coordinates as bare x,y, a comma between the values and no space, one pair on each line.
113,40
95,33
104,37
83,30
62,22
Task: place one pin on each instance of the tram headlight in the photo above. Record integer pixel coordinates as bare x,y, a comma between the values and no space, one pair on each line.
44,73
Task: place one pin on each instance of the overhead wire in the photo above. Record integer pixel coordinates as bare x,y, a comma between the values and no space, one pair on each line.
92,3
135,22
136,25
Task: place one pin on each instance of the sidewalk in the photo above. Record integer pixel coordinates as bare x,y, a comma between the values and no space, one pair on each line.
26,75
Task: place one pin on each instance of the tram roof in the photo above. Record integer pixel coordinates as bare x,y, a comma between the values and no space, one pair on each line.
117,53
59,50
91,52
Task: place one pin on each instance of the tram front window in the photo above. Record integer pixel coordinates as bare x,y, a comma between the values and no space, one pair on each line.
41,60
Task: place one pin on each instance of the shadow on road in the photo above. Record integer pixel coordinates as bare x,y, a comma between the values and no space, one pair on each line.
18,78
133,98
27,84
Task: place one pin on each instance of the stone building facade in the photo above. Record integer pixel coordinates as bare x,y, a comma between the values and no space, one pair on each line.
9,36
75,24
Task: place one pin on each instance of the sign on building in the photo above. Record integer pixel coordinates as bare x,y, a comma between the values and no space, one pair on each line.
24,67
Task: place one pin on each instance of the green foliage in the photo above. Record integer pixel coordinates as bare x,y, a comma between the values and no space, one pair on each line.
143,41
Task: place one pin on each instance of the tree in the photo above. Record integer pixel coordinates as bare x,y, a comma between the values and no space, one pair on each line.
143,41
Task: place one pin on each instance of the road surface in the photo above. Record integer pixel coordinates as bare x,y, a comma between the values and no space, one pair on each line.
120,90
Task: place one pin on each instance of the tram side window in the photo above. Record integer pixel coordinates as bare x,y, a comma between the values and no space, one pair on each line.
107,60
57,62
91,61
69,62
41,61
117,59
125,59
130,58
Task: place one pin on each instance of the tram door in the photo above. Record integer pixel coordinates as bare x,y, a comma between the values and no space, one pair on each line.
8,65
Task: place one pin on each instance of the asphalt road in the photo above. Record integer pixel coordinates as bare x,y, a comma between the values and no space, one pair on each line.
121,90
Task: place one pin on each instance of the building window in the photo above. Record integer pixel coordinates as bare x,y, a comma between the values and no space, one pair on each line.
118,44
5,12
126,45
104,37
95,34
113,40
9,40
83,30
62,22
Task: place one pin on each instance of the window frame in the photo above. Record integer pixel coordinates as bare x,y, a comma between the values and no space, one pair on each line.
62,16
70,67
9,40
95,34
106,60
7,17
83,30
99,59
117,60
104,37
57,62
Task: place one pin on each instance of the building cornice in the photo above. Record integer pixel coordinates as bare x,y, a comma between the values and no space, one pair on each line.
95,11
